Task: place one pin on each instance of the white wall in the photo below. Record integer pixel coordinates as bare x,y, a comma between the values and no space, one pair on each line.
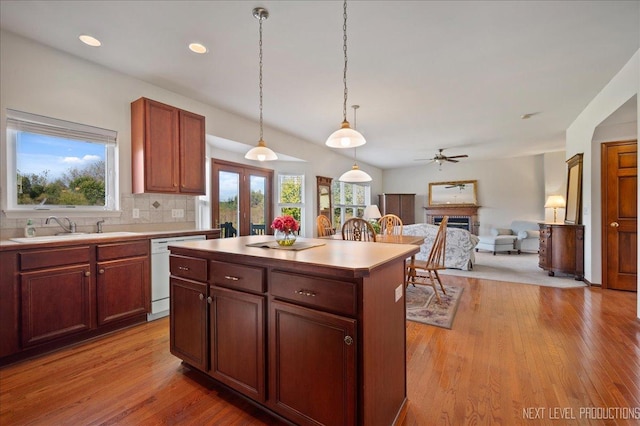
508,189
40,80
581,138
555,181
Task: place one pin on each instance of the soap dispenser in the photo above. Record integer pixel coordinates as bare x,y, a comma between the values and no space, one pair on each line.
30,229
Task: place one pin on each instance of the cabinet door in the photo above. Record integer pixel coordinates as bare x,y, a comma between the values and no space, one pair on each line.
192,154
122,289
312,365
237,330
161,148
188,321
55,302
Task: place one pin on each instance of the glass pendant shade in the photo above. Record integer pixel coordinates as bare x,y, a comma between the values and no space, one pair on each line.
345,137
261,153
355,175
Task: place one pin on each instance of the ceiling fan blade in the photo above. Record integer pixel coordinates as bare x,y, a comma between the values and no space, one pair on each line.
450,160
458,156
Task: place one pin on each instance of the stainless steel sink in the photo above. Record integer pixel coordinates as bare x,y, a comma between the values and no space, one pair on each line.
72,236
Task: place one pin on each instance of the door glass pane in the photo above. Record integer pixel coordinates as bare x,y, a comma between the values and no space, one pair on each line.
257,210
229,210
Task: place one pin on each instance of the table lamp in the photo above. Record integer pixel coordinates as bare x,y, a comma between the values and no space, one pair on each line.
554,202
371,212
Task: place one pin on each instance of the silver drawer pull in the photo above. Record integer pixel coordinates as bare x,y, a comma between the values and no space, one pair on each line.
201,296
229,277
183,268
305,293
348,340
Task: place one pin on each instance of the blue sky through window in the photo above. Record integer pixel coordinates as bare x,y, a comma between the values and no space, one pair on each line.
36,153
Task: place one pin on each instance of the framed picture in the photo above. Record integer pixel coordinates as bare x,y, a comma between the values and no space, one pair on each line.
573,211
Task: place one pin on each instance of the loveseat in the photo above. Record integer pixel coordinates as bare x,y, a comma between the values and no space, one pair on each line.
520,236
460,243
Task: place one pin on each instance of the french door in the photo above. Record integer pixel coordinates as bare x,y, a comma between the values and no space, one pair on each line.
241,198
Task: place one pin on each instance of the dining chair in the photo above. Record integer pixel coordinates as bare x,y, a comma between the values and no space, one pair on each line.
390,224
325,228
356,229
419,271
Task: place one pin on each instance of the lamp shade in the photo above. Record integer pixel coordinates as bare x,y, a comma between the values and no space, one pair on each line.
261,153
355,175
345,137
555,202
371,212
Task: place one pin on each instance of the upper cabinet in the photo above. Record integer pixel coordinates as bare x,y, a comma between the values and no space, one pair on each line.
167,149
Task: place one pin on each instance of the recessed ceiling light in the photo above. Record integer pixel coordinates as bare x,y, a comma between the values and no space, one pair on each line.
90,41
197,48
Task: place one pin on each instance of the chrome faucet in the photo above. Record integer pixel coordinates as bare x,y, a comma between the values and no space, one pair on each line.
99,224
72,225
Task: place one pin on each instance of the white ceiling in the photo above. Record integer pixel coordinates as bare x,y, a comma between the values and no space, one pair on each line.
427,74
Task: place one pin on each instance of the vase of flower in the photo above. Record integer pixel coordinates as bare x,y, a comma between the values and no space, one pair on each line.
285,228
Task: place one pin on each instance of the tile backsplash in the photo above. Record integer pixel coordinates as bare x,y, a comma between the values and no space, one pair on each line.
152,212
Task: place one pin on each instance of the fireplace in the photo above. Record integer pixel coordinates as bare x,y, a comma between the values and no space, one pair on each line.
462,222
463,217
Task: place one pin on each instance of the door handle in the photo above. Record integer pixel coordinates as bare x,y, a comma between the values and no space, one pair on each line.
614,224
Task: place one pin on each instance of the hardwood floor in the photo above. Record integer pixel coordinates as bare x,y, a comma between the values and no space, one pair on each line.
517,354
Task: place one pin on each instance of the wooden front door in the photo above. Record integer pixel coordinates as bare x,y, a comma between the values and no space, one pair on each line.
620,215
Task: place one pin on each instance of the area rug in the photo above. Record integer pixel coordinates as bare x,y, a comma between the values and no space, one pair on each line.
423,306
514,268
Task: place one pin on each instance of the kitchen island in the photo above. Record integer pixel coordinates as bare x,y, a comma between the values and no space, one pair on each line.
314,334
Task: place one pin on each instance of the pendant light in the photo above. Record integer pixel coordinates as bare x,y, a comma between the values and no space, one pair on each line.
261,152
355,175
345,137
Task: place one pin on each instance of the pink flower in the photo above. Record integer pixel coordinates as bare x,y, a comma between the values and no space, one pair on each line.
285,223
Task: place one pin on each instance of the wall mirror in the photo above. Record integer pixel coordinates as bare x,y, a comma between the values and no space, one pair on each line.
573,210
324,196
455,193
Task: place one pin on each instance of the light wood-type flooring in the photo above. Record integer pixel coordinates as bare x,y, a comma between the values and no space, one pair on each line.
517,354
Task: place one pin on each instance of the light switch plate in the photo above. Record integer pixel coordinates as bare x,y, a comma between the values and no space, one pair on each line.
399,292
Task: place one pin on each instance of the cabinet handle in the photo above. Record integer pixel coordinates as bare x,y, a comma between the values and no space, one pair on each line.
348,340
183,268
201,296
614,224
209,300
87,274
229,277
303,292
101,271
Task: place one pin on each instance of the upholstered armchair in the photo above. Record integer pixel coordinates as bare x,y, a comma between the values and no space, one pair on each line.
520,236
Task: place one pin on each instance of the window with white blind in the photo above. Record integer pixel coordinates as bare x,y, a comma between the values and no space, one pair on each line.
54,164
291,197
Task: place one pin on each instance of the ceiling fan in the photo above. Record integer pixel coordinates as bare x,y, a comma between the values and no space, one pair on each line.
441,158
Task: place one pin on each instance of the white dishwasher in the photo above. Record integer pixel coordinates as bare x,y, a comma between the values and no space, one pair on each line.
160,273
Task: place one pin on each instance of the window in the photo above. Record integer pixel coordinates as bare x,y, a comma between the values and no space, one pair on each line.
54,164
349,200
291,197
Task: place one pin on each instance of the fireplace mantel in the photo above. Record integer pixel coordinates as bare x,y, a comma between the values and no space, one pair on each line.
470,212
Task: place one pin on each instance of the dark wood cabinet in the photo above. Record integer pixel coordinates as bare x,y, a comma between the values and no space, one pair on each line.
167,149
54,296
314,340
402,205
237,336
313,365
123,281
562,249
55,303
188,321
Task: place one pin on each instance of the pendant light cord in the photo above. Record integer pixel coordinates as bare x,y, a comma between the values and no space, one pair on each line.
344,49
260,83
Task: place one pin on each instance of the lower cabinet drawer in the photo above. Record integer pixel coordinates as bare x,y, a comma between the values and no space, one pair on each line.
188,267
329,295
240,277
